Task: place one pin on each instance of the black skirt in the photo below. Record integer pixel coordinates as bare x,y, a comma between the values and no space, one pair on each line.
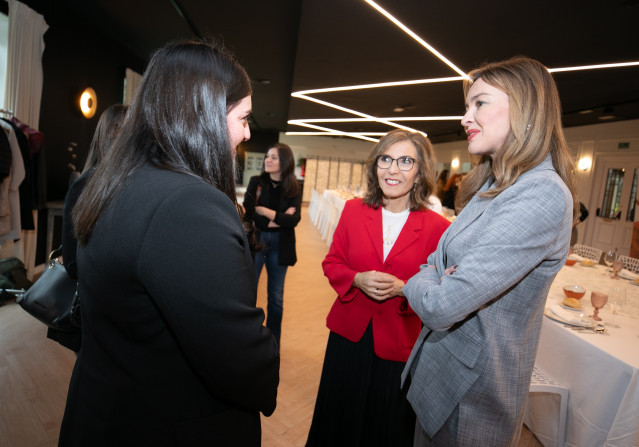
360,401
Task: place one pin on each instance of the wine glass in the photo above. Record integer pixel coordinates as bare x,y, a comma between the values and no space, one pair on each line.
598,300
617,266
617,298
610,257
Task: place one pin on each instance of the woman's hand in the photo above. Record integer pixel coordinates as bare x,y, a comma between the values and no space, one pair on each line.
266,212
378,285
450,271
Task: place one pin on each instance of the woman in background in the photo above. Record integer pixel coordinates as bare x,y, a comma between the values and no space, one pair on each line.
273,201
481,297
442,180
105,133
173,351
450,191
380,242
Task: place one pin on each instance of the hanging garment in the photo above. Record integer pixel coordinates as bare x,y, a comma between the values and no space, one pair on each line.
11,187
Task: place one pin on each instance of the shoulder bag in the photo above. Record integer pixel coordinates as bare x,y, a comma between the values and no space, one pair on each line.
53,298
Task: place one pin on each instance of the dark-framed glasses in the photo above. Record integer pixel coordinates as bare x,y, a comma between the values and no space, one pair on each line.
403,163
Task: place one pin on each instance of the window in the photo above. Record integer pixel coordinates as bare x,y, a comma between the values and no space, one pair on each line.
630,217
612,195
4,45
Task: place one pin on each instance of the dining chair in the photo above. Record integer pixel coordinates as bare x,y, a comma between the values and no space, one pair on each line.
587,252
542,383
629,263
312,206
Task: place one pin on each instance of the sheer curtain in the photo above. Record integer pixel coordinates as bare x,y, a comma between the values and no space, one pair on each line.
22,95
133,80
24,63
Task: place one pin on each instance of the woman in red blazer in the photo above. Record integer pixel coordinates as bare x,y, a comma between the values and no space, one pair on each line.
379,243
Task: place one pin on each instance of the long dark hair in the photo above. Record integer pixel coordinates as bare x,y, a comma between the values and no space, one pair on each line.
290,185
177,121
105,133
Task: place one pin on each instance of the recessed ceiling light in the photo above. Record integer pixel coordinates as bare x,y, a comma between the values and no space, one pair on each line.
606,117
585,112
398,109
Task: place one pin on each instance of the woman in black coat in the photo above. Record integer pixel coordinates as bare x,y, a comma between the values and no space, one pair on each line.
273,201
174,352
105,133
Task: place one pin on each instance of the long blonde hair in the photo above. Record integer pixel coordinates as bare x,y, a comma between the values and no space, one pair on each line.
535,129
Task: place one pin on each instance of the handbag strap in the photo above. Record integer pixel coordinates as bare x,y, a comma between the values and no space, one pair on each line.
55,254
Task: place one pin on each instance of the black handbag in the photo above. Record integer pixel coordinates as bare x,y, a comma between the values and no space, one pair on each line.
53,298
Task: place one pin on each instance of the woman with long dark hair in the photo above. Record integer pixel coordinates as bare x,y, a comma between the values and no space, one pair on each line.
174,351
273,201
105,132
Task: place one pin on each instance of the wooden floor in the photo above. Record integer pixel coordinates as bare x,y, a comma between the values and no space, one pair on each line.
34,371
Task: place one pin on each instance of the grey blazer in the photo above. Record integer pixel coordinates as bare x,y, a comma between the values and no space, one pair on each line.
471,365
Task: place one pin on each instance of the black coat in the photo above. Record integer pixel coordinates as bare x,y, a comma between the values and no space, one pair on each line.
174,351
72,339
287,222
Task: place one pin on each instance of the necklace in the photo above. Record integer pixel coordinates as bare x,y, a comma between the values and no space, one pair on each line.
275,183
389,236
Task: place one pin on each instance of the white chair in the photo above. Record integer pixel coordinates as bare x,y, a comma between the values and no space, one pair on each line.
321,210
542,383
312,206
587,252
329,224
629,263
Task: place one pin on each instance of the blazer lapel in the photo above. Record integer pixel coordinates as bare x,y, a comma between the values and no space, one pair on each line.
408,235
472,211
374,228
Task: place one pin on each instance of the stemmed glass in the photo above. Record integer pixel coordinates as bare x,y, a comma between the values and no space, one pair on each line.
617,298
598,300
617,266
610,257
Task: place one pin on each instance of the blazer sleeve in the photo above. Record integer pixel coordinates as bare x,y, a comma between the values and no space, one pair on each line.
290,220
337,266
196,264
517,232
251,201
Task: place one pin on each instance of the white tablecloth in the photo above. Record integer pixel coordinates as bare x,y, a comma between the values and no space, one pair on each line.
601,371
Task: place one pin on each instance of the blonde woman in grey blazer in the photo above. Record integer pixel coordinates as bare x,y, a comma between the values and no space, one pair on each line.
481,296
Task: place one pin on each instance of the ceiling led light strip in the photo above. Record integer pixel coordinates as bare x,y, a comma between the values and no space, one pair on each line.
335,134
364,120
331,131
382,84
355,112
422,42
594,67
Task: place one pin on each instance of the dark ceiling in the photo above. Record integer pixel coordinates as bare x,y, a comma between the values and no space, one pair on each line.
292,45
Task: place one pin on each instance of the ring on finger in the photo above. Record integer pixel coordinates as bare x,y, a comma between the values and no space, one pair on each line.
375,290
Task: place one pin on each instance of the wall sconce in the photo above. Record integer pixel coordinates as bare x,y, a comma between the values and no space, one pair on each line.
88,102
455,163
584,163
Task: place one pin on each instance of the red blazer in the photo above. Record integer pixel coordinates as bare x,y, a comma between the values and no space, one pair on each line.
357,247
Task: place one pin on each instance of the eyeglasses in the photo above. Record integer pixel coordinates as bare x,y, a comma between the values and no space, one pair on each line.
403,163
